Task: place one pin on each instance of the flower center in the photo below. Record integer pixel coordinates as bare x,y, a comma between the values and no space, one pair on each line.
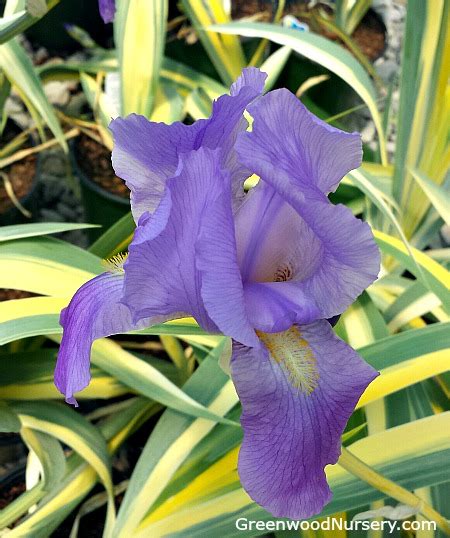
283,273
293,354
114,264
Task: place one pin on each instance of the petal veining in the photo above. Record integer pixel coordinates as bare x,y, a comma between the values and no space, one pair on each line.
146,154
94,311
189,265
323,249
295,145
295,405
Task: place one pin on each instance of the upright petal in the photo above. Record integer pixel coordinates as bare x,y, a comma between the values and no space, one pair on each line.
296,403
146,153
107,10
188,266
251,77
221,283
302,158
291,144
227,121
94,311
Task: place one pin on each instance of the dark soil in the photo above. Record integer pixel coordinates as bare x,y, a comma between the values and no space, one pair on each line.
12,483
369,35
21,175
8,295
95,161
91,525
9,494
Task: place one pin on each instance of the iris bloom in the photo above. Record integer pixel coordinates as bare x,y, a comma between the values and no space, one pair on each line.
107,10
266,269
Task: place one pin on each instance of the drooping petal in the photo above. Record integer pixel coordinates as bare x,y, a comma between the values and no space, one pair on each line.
322,251
93,312
146,153
296,403
188,266
107,10
291,144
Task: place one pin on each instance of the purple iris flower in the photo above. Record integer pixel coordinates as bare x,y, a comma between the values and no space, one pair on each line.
267,269
107,10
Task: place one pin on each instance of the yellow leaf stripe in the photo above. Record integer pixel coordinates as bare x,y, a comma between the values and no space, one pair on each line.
417,438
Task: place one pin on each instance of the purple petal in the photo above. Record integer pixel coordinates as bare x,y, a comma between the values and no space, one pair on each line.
291,144
252,77
325,254
189,266
107,10
296,404
216,259
227,121
93,312
271,236
146,153
350,258
328,254
276,306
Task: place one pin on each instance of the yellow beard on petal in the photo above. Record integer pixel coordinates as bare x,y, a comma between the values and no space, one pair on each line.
114,265
293,353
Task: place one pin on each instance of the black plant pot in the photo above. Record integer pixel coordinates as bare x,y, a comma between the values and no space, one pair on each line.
83,13
11,450
100,206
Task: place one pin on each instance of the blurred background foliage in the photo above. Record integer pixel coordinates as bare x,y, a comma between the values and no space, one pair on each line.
152,451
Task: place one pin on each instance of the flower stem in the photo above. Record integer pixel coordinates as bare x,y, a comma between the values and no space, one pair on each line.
366,473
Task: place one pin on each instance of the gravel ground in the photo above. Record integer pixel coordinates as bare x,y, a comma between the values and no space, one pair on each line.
58,189
59,195
393,13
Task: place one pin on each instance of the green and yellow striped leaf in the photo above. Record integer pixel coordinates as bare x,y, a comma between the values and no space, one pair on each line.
21,73
140,30
225,52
